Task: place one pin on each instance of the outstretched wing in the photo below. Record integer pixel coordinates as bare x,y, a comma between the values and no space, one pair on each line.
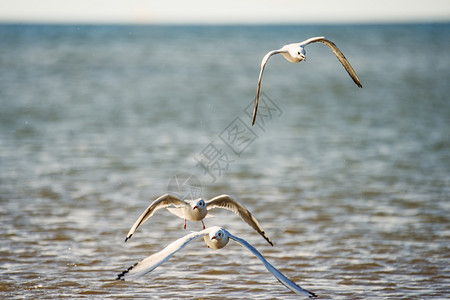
153,261
338,54
227,202
277,274
163,201
258,88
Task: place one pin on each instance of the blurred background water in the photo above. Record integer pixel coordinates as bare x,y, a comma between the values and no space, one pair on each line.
351,184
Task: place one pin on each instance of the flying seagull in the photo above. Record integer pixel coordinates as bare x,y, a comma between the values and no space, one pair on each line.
215,238
295,53
197,210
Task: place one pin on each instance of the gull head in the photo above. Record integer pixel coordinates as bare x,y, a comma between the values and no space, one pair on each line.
295,53
199,204
217,239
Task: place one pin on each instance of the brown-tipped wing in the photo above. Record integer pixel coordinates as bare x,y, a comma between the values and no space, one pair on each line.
227,202
162,202
338,54
258,88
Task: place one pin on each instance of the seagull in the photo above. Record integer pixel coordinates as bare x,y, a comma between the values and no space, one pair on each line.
215,238
197,210
295,53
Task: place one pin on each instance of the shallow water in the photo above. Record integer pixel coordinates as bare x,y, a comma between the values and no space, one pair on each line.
351,184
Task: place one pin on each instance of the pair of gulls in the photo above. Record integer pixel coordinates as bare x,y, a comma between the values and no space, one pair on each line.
214,237
217,237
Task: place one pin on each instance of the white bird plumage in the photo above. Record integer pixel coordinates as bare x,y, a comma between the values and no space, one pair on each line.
215,238
295,53
197,210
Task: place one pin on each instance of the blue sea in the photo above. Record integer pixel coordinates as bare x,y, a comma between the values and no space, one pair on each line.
352,185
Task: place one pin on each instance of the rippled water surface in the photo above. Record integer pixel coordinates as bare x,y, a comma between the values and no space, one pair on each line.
351,184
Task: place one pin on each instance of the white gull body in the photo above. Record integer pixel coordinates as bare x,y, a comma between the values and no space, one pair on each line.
295,53
215,238
197,210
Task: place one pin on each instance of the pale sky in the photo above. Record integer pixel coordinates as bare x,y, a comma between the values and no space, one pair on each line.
223,12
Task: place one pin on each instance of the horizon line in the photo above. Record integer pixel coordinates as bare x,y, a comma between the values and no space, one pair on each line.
189,23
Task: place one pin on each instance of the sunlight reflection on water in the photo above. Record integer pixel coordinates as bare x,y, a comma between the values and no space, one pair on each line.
95,122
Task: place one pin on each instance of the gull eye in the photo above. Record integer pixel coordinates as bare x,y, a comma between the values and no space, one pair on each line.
299,53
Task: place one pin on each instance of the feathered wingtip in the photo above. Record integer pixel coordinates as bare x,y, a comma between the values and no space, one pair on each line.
311,294
128,237
121,276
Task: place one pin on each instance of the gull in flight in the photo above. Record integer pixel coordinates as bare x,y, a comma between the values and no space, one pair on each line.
295,53
215,238
197,210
